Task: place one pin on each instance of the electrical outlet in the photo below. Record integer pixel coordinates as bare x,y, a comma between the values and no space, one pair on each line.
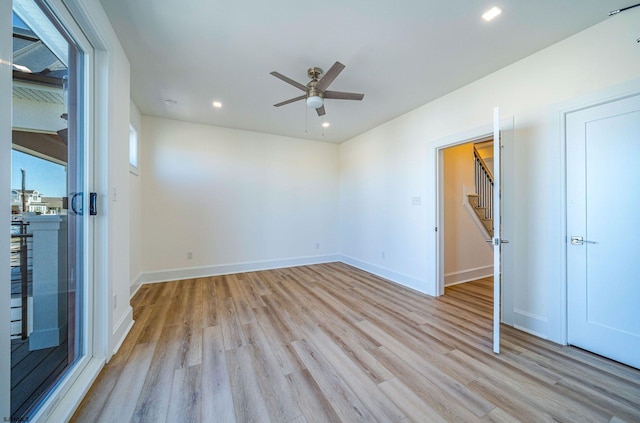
115,301
317,245
383,255
189,255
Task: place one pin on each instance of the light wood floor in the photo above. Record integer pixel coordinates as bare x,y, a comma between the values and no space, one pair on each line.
330,343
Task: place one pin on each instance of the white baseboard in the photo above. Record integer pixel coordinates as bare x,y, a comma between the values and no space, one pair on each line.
468,275
135,285
399,278
63,409
121,329
227,269
531,323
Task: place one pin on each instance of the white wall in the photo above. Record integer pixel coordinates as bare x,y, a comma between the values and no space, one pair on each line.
382,169
135,207
237,200
118,193
467,256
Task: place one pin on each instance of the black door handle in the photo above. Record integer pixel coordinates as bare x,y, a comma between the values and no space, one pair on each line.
93,203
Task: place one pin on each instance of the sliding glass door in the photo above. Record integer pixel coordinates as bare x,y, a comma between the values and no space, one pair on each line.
48,212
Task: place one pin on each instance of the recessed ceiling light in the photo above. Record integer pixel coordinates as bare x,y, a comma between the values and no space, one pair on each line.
491,13
326,125
217,104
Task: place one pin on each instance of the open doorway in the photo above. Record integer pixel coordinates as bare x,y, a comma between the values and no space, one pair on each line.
466,214
498,215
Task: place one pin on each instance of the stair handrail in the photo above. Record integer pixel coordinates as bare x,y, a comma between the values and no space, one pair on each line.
484,166
484,184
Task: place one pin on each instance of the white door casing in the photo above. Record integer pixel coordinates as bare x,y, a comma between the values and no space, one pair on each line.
603,176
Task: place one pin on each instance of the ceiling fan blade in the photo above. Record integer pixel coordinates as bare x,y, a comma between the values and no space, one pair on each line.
339,95
289,80
328,77
320,110
291,100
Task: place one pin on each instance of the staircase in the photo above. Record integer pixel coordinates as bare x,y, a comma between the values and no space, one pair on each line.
481,212
482,200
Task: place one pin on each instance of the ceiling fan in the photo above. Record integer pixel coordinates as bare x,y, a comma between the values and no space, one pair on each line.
316,89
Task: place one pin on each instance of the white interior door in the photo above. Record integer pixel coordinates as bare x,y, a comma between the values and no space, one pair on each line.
497,227
603,204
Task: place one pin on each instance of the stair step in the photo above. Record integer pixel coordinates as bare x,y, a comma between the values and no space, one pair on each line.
473,199
481,212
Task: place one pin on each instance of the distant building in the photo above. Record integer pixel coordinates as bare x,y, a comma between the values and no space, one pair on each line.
54,205
35,203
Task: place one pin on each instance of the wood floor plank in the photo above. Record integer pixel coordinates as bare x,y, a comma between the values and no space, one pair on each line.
240,300
538,396
217,404
227,316
154,399
152,328
411,404
93,403
448,403
249,404
314,404
357,378
209,305
279,340
255,279
281,403
186,395
122,400
446,377
330,343
342,399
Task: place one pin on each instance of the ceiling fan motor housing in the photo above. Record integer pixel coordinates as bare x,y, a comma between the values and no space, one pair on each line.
314,73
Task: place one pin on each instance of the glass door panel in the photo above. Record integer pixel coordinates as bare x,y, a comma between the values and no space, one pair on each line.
47,203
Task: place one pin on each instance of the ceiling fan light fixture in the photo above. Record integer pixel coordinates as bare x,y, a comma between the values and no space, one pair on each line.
314,101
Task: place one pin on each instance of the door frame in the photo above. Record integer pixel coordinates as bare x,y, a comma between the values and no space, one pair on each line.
79,19
558,118
6,53
64,399
507,125
458,139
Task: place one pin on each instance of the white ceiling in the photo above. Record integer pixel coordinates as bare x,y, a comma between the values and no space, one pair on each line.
401,54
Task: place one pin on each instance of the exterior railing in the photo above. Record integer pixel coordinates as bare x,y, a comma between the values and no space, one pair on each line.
484,184
21,278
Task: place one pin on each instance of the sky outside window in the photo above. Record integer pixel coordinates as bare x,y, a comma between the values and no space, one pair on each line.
48,178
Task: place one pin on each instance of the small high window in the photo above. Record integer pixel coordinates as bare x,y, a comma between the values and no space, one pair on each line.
133,147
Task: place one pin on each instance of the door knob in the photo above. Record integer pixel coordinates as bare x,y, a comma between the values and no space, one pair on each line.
578,240
494,241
